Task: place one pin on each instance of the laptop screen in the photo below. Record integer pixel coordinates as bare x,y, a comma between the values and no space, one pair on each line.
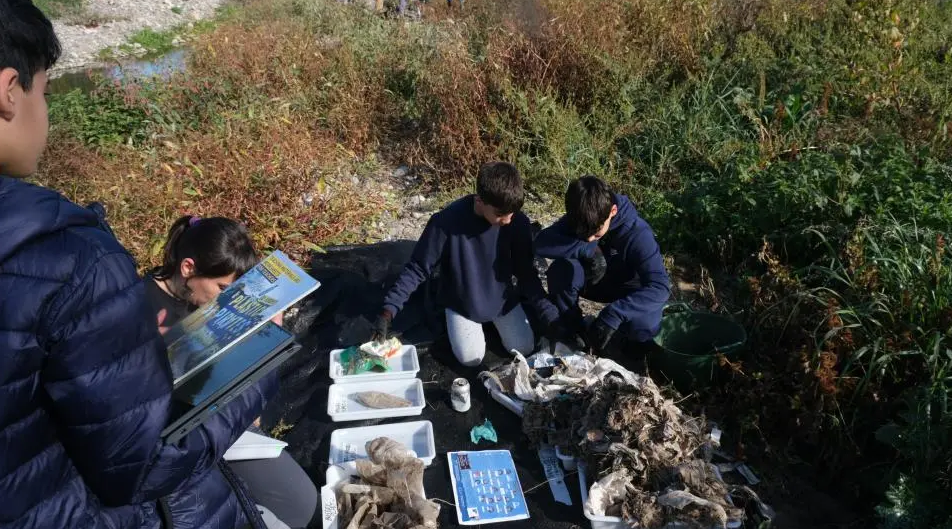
246,354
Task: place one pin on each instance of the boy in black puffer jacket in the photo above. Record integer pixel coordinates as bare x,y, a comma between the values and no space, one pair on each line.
85,384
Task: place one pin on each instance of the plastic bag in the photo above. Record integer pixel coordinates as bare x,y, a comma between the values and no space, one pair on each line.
357,362
608,491
385,349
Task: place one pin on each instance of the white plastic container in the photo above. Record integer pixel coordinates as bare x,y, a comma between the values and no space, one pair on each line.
616,522
506,401
342,403
336,474
348,444
403,365
598,522
568,462
254,446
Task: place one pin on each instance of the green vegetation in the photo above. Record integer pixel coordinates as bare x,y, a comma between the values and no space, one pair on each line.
800,146
59,8
146,42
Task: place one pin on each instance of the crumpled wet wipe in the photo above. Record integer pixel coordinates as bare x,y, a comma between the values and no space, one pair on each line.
382,401
388,493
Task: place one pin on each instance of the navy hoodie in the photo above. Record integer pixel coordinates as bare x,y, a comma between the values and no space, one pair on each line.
634,263
476,263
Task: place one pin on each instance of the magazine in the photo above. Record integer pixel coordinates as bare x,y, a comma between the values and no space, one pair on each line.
259,295
486,487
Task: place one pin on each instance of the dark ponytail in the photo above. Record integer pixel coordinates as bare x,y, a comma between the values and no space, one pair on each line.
219,246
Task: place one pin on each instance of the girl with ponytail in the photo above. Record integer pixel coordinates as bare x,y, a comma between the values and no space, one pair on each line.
201,258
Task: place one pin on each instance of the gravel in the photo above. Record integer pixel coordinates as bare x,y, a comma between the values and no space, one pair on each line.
109,23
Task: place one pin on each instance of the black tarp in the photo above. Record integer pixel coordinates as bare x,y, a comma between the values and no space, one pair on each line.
353,283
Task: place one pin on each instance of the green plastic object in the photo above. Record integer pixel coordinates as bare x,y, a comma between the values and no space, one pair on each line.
688,345
483,431
357,362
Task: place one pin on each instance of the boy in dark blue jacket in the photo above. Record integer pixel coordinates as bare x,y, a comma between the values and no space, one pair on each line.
478,244
85,383
604,252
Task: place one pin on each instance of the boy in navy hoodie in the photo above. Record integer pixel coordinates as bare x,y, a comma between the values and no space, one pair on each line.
478,243
604,252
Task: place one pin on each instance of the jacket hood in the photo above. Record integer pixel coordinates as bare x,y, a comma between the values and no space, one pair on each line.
627,214
29,212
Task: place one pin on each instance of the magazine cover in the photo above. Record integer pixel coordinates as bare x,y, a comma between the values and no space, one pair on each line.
486,487
267,289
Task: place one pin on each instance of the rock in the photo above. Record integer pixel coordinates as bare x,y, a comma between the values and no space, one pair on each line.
417,215
401,171
417,201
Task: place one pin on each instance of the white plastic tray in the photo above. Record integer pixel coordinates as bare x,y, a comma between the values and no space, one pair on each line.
615,522
598,522
335,475
342,403
348,444
568,462
403,365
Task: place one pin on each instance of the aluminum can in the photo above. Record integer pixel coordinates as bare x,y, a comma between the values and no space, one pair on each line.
459,395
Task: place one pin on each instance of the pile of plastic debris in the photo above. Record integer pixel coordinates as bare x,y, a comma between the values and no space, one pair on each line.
388,491
544,377
651,462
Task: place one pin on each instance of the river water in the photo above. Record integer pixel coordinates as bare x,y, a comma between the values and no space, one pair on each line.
161,67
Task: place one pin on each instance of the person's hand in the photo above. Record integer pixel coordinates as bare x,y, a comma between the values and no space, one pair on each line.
163,315
594,266
557,331
278,319
257,423
598,336
573,341
382,327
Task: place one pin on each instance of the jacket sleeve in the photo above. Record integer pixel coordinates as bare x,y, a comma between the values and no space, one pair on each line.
643,306
523,267
196,453
557,242
109,386
426,255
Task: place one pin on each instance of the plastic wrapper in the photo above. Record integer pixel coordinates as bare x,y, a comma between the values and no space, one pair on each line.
385,349
357,362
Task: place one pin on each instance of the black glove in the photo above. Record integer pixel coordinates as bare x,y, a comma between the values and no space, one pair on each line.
594,266
382,326
573,340
598,336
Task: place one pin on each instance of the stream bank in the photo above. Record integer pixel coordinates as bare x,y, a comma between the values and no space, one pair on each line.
109,24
